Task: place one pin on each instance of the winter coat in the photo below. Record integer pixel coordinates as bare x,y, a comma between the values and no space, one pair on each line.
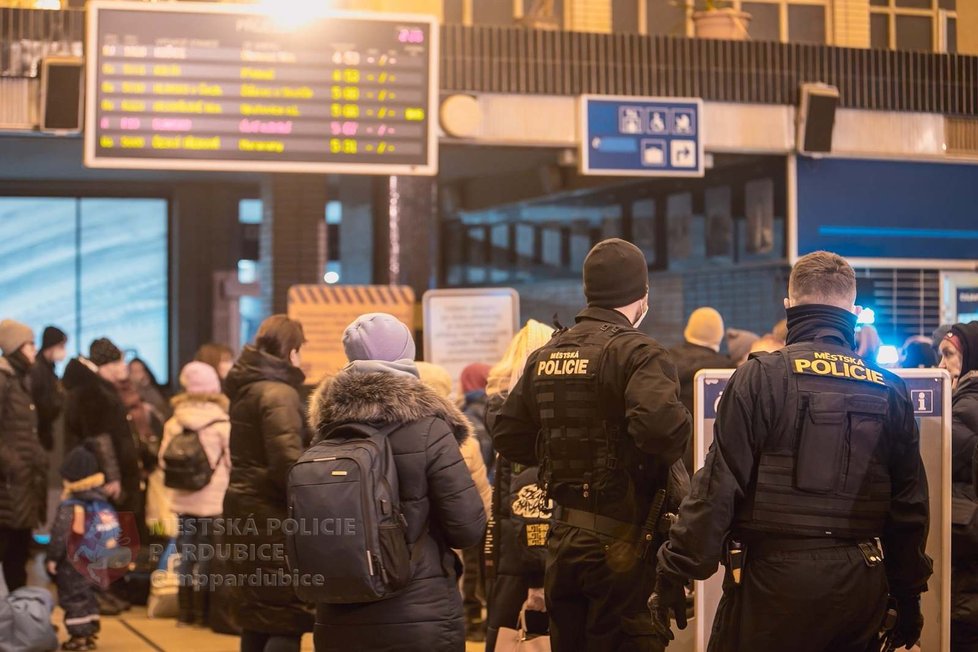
267,436
475,412
96,416
49,398
964,552
472,454
438,499
691,358
207,415
23,461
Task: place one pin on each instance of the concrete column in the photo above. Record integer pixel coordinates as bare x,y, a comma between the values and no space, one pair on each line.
205,240
850,24
292,246
406,235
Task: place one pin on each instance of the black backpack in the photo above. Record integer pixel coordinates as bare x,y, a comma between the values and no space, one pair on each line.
347,535
187,467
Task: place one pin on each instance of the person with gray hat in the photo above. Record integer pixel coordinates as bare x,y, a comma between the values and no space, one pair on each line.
598,409
441,508
23,461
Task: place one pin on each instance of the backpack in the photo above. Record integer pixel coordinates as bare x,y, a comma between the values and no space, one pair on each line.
187,467
100,553
347,536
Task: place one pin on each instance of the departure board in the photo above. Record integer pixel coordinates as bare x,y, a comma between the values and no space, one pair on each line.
190,86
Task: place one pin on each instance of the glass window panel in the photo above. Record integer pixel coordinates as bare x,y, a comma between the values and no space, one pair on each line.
123,281
624,16
952,35
492,12
879,28
880,3
765,24
950,5
643,228
914,33
915,4
38,238
250,211
806,24
666,17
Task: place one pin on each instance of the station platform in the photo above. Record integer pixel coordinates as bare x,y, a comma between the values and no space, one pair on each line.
134,631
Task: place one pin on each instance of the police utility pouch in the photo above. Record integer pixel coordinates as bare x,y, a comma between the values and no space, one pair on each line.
822,443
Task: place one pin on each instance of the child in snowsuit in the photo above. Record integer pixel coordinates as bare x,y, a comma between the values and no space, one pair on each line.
83,510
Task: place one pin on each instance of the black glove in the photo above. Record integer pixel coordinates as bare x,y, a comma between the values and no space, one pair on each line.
909,622
669,596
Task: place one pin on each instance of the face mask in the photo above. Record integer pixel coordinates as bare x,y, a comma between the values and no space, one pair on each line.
642,317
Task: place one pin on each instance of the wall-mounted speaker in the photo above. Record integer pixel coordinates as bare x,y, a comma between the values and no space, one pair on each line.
61,94
816,118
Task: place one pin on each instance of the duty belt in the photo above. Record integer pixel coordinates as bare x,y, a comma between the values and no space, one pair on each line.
585,520
770,546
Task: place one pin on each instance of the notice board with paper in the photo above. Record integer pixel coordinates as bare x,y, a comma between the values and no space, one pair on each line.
470,325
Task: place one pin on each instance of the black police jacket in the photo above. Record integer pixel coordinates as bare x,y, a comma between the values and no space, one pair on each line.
638,379
749,418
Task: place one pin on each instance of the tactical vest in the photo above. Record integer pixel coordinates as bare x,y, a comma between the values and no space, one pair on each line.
825,474
583,437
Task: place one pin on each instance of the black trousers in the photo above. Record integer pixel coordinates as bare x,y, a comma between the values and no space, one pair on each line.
825,600
597,590
76,595
14,550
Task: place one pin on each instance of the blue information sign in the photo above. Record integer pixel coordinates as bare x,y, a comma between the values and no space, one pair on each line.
641,136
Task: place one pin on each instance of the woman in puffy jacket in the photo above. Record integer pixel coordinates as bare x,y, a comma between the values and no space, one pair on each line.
267,437
201,409
381,387
516,547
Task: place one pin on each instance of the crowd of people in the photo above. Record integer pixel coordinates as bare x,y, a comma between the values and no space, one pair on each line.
501,528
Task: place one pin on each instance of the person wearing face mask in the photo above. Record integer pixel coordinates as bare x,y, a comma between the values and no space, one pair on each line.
268,433
23,462
604,398
959,355
815,465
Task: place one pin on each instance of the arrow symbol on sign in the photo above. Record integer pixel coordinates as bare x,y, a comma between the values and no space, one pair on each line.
685,152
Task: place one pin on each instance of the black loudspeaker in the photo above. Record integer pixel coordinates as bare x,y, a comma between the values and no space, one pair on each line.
61,94
816,118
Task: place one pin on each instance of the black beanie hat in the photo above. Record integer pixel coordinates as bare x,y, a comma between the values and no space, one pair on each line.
103,351
968,335
79,463
615,274
53,336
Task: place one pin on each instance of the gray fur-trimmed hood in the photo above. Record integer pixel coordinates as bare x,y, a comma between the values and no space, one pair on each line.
380,398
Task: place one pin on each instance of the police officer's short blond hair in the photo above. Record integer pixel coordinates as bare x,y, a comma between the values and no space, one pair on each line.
822,277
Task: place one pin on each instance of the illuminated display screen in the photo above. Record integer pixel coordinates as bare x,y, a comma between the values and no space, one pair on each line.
213,87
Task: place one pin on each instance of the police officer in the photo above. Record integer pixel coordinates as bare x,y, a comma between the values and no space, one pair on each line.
813,480
598,408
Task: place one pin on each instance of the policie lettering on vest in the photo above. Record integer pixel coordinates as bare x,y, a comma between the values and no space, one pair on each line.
563,363
836,365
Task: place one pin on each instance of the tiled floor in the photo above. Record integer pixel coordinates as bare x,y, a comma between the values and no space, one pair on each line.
135,632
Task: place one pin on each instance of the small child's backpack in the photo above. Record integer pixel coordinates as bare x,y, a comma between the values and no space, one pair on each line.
347,535
99,552
186,466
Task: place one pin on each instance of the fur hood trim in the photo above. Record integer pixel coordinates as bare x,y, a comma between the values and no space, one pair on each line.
219,400
380,398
